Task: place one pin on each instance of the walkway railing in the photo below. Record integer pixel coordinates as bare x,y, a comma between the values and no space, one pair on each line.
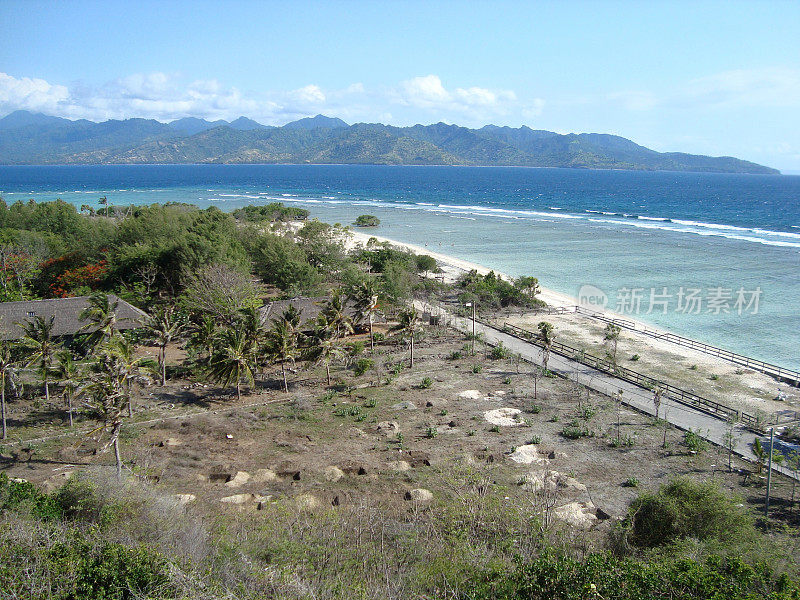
645,381
780,373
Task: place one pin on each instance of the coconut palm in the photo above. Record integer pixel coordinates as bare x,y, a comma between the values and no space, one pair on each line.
547,335
407,325
163,327
282,340
6,364
202,335
106,391
336,314
68,375
38,337
132,367
324,346
104,202
100,317
365,300
232,359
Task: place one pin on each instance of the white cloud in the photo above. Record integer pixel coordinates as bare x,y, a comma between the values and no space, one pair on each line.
167,96
767,87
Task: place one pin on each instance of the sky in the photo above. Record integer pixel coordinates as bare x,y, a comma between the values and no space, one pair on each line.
718,78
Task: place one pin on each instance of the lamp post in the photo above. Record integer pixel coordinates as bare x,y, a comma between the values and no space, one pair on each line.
472,304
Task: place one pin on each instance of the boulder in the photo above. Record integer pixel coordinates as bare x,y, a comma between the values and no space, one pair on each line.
553,481
333,474
470,395
399,465
528,455
419,495
404,405
581,515
238,480
264,476
238,499
184,499
388,427
504,417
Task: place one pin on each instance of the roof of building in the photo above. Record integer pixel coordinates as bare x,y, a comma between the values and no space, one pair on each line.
66,312
309,308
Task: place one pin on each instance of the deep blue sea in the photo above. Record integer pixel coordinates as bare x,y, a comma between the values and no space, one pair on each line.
711,256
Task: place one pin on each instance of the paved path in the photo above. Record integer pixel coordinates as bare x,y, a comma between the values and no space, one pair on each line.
685,417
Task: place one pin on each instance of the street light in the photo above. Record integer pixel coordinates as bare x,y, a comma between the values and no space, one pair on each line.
472,304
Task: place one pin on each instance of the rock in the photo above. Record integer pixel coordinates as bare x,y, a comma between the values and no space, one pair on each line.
500,393
419,495
404,405
238,480
333,474
264,476
429,404
171,443
184,499
578,514
238,499
453,423
306,502
552,481
387,427
399,465
201,477
528,455
504,417
56,481
262,501
228,436
470,395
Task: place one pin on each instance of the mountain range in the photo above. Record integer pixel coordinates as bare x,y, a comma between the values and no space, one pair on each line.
33,138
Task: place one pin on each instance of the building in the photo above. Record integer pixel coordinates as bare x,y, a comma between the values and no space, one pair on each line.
67,313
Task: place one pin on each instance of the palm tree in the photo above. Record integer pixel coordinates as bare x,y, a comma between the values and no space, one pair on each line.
107,389
38,336
407,324
131,367
546,333
101,317
202,335
365,299
233,359
68,374
336,314
163,327
282,340
6,364
612,336
324,345
104,202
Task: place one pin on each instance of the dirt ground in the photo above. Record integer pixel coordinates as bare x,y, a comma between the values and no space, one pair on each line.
381,435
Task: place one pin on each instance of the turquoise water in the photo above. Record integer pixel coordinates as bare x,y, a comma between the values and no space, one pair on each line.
614,230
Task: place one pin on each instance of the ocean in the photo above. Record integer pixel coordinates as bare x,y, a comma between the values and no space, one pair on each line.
714,257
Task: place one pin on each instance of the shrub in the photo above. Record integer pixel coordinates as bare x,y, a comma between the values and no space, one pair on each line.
535,409
536,440
575,431
631,482
495,429
455,355
499,352
378,336
635,357
694,442
477,368
686,508
362,365
23,496
356,348
367,221
426,383
431,432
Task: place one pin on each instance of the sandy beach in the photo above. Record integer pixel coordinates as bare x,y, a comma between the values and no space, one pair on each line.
695,371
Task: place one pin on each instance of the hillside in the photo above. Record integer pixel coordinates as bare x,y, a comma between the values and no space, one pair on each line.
27,138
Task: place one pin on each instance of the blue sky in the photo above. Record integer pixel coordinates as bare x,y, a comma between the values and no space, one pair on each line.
720,78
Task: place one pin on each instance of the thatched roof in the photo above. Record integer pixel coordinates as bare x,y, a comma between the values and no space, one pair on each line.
66,312
309,308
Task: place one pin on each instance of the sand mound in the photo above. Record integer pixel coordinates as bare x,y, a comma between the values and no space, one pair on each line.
470,395
238,480
528,455
333,474
419,495
504,417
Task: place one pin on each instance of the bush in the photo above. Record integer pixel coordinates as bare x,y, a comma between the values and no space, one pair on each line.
694,442
604,576
362,365
686,508
477,369
576,431
367,221
427,382
635,357
356,348
23,496
455,355
499,352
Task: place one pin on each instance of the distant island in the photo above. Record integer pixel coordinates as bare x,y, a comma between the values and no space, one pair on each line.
35,139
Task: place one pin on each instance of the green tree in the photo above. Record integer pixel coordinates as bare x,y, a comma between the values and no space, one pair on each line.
547,335
406,327
6,364
324,346
68,375
233,359
38,337
282,340
100,317
611,337
365,302
163,326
